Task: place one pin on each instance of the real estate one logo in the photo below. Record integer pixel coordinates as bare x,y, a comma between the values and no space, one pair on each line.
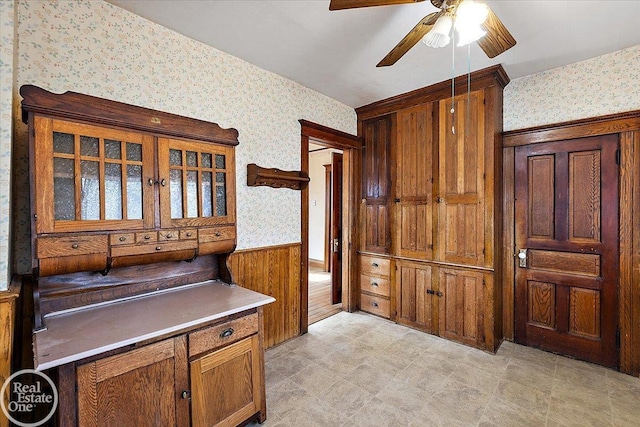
29,398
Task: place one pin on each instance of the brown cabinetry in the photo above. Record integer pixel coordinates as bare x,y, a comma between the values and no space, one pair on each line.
446,196
375,285
376,184
209,377
120,195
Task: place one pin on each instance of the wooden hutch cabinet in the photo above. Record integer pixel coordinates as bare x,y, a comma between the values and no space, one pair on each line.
134,309
445,215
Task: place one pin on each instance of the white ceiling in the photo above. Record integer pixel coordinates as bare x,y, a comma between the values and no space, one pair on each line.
336,52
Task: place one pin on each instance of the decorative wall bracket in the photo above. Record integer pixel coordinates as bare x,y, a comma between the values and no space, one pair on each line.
276,178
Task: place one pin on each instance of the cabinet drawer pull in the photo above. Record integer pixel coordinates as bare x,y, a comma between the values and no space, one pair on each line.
169,236
374,284
147,237
374,264
122,238
158,248
75,246
226,333
217,234
374,304
189,234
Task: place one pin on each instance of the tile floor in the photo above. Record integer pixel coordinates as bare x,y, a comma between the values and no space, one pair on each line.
354,369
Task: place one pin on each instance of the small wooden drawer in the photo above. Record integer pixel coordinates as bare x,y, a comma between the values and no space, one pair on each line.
190,234
206,235
146,236
152,248
375,266
51,247
122,239
375,285
164,235
222,334
375,305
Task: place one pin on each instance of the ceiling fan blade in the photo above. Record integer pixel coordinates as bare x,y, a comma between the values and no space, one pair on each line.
498,38
354,4
414,36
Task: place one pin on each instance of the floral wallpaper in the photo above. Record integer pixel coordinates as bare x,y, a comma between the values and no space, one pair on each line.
96,48
599,86
7,40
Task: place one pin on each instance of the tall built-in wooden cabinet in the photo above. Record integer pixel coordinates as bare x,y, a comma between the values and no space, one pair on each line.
443,217
133,306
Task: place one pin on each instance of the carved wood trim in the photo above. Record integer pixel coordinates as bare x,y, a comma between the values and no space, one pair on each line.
276,178
480,79
323,133
77,106
592,126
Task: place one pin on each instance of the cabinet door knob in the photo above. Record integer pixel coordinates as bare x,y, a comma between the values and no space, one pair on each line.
158,248
122,238
439,199
226,333
189,234
217,234
186,394
150,182
147,237
169,236
163,182
75,246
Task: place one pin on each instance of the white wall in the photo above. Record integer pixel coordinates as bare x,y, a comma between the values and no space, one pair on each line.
317,160
7,52
599,86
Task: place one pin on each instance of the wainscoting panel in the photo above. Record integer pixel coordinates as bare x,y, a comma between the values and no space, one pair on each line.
273,271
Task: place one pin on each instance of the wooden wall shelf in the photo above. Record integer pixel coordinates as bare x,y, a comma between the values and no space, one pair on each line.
276,178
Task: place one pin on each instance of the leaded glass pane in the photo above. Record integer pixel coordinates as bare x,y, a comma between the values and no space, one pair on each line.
64,199
90,191
192,194
207,202
220,161
134,152
221,195
192,158
175,187
175,157
134,192
63,143
89,146
112,149
112,191
206,160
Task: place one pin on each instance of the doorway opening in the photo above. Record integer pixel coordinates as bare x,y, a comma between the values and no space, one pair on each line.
325,231
343,230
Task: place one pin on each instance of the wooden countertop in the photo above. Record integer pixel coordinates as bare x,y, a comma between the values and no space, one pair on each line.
92,330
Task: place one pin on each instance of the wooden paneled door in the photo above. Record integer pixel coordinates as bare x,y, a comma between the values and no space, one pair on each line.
414,188
566,219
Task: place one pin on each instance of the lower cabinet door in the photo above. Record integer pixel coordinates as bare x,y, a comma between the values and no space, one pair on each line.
416,300
136,388
225,385
462,306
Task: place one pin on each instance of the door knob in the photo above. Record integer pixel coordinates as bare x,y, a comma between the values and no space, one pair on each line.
336,244
522,258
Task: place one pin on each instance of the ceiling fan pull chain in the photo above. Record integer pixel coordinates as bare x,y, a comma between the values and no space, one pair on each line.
466,124
453,82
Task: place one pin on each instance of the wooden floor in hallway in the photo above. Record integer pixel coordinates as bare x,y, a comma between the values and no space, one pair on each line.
320,306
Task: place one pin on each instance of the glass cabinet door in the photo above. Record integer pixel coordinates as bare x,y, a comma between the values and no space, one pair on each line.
92,178
195,185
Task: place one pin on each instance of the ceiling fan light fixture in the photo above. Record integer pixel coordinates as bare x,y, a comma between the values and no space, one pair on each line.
439,35
469,18
469,35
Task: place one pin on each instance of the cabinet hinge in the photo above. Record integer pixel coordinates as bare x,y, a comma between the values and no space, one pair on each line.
618,338
618,156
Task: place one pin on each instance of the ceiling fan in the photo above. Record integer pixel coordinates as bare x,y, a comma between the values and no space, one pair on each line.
473,21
